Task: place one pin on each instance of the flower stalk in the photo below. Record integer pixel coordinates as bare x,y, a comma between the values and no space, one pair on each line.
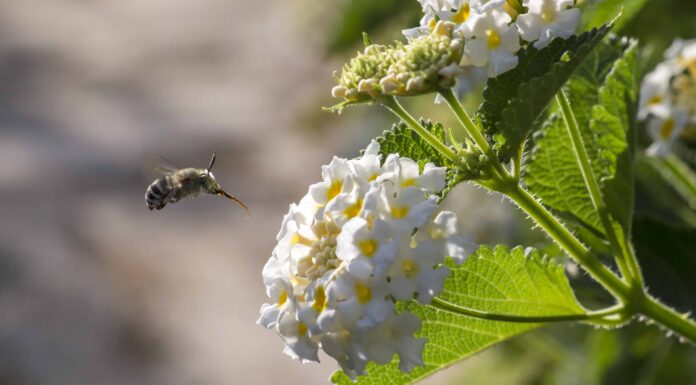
624,258
474,132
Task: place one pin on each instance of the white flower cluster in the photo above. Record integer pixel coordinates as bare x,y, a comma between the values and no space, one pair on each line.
365,237
668,97
492,37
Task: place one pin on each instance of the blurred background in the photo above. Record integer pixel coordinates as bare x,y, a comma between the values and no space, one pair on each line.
96,289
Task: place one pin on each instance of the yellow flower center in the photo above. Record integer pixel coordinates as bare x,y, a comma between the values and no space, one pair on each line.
363,293
666,129
493,39
354,209
368,247
282,298
297,238
655,99
334,189
408,182
548,14
399,212
319,300
462,14
409,268
432,23
373,177
301,329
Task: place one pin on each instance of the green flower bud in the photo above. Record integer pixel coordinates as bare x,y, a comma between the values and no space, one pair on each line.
428,63
359,79
472,164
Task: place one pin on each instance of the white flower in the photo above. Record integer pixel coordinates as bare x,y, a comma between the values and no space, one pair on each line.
683,51
395,336
333,175
444,231
279,290
405,172
298,343
664,126
345,257
366,247
407,208
655,88
414,273
361,303
493,42
347,205
368,167
546,20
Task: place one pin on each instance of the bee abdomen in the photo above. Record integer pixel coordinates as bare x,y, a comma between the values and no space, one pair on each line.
157,194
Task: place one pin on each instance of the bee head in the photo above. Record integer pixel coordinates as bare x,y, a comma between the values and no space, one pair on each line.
207,179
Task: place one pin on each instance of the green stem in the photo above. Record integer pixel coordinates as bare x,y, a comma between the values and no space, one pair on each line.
627,264
393,105
667,317
569,243
589,316
474,131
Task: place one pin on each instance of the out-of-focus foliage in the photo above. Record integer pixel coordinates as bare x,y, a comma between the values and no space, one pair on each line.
597,12
358,16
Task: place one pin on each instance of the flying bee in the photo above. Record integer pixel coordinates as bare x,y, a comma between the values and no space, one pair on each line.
174,184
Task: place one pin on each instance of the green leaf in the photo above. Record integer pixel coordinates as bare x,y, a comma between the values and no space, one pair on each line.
602,95
514,101
596,12
516,282
406,142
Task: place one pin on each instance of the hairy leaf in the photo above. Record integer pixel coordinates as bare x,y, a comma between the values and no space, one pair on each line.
514,101
602,95
516,281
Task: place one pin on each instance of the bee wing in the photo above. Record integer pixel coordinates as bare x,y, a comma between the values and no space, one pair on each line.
155,166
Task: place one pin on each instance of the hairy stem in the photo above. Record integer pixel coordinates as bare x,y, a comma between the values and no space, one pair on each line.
393,105
627,264
667,317
589,316
474,131
569,243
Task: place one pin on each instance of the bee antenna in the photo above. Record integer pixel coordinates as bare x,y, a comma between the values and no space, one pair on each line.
212,162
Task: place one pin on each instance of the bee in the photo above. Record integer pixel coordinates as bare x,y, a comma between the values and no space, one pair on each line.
174,184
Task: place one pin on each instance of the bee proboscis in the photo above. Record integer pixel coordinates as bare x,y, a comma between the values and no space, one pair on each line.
175,184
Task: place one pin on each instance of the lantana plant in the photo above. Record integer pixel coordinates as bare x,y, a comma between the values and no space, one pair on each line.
370,270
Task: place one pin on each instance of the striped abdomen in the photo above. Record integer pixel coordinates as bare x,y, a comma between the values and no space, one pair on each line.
158,193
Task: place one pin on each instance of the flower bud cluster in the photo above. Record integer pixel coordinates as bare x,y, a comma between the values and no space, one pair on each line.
359,80
473,163
367,236
668,97
426,63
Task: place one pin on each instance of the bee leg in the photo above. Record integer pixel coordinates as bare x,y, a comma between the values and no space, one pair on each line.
166,199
